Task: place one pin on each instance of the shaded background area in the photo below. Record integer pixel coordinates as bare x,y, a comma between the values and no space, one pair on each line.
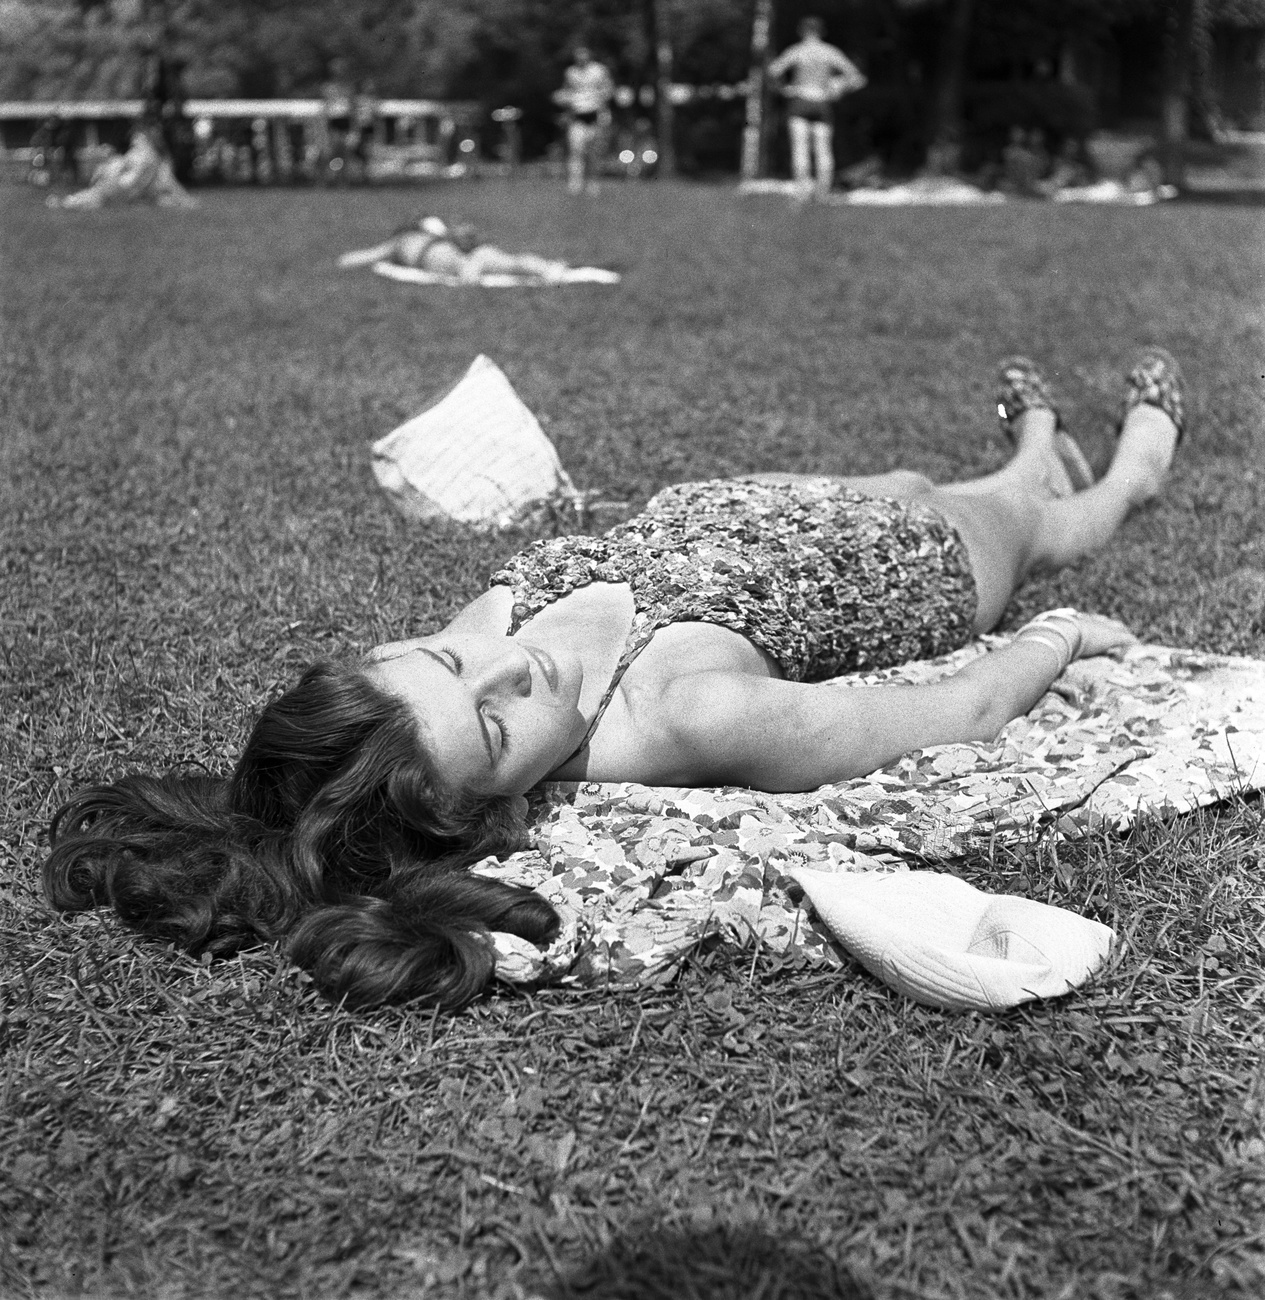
1188,70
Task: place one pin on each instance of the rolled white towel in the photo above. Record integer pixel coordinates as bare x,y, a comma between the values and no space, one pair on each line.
947,944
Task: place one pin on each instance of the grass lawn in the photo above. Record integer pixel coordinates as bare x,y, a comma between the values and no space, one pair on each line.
187,515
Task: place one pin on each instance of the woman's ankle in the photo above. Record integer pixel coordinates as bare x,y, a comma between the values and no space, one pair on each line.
1034,429
1144,451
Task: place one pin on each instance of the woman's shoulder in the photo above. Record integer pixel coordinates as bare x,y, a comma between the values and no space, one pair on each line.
487,614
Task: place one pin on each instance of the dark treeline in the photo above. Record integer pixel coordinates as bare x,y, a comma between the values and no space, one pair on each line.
1062,65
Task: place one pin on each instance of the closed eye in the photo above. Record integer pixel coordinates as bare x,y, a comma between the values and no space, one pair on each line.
502,728
455,657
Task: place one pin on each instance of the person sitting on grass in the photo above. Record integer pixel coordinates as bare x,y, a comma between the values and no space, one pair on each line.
141,175
679,648
457,252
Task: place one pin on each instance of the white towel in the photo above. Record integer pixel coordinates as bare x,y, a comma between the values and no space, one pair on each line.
477,456
498,280
947,944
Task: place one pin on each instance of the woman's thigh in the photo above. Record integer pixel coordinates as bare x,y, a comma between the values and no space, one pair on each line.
999,531
900,484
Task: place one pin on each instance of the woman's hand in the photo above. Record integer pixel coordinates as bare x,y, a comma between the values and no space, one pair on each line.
1100,634
1075,635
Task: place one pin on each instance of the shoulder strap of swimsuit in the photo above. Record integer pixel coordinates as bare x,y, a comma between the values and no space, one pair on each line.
638,639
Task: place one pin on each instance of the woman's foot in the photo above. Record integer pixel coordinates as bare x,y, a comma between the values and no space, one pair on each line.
1031,421
1152,421
1156,380
1021,387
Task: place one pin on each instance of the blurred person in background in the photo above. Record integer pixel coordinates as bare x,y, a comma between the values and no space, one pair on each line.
336,95
819,75
364,120
457,251
141,175
587,90
54,159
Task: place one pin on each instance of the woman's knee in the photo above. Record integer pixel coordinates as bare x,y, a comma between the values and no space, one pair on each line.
910,484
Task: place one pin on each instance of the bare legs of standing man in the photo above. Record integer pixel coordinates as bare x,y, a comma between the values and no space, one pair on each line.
812,145
582,138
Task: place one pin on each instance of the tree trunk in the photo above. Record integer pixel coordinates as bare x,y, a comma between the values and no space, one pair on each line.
945,152
753,134
1179,30
665,123
1203,92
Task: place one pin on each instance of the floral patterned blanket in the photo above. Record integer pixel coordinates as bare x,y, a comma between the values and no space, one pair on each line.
641,874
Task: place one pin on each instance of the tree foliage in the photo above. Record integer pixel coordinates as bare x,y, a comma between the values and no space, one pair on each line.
514,51
499,50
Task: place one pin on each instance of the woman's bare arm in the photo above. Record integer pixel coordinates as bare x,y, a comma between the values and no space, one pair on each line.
367,256
718,728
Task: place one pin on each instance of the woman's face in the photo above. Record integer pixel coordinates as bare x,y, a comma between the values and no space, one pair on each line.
496,713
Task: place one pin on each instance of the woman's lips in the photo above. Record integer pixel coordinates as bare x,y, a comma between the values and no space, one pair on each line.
546,664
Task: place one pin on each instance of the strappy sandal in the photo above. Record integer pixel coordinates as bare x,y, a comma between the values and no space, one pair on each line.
1156,380
1022,387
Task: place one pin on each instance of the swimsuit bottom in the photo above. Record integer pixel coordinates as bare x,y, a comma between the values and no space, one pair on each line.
811,110
584,119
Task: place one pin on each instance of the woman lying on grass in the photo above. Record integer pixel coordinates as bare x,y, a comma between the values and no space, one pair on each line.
457,252
677,649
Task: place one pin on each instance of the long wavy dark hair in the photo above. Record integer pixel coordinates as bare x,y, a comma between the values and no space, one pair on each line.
334,836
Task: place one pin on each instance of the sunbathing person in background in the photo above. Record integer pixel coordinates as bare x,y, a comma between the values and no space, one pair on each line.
457,252
680,648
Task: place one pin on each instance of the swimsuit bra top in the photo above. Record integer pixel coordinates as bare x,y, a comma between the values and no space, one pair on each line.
417,254
823,579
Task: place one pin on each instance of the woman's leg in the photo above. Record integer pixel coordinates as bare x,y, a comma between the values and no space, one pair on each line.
487,259
1025,516
1022,519
903,484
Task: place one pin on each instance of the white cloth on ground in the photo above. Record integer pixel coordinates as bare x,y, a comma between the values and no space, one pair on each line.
477,456
942,942
497,280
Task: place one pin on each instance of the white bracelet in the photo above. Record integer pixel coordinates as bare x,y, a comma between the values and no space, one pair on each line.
1036,637
1054,623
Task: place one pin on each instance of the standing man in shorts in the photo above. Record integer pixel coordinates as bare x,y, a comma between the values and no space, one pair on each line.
586,93
819,75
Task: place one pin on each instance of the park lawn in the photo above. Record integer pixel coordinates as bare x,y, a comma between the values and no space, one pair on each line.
187,515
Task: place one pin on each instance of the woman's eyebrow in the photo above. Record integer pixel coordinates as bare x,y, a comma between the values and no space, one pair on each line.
439,659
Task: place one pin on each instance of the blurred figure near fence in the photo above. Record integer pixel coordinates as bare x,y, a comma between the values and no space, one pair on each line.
364,120
587,90
337,95
54,158
141,175
819,75
1025,161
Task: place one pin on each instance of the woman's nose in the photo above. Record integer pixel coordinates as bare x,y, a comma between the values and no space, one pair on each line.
507,669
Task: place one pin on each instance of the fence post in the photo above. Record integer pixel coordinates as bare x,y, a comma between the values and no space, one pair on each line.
753,131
